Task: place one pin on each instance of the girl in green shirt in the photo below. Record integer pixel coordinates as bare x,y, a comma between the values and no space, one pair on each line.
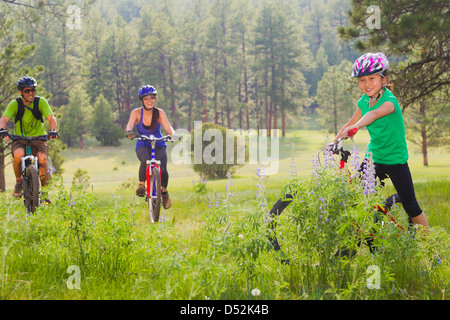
379,111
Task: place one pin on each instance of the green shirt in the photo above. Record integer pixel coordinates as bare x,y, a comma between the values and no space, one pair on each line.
31,126
387,134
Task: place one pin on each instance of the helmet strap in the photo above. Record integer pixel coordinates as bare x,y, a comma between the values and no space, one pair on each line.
145,108
26,99
372,99
381,91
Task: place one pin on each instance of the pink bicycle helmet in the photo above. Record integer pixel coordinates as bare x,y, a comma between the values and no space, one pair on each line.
370,63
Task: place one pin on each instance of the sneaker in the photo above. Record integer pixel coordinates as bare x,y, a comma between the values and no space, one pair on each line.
140,191
166,200
18,190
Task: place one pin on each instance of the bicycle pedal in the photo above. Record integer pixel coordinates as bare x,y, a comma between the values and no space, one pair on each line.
45,201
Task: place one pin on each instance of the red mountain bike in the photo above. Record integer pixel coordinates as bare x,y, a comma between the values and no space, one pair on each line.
153,183
283,203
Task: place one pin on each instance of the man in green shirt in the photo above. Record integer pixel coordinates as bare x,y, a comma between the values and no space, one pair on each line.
29,112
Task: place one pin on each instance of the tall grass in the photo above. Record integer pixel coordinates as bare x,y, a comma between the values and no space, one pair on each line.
208,251
213,245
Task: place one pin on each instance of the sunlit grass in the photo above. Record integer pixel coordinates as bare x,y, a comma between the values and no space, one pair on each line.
201,251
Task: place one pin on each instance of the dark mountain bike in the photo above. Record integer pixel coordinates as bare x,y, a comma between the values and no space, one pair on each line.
30,174
284,202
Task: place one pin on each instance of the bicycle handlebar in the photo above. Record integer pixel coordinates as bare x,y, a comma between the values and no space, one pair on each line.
352,132
336,147
168,138
15,137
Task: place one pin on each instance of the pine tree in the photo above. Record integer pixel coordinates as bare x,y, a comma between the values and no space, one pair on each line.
74,117
102,124
336,97
415,29
13,51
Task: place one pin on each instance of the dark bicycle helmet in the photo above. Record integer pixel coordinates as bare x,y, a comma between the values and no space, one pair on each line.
26,82
147,90
370,63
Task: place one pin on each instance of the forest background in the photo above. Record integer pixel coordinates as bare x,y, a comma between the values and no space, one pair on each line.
273,64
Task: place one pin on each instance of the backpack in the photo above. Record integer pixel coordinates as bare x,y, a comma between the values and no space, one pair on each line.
21,110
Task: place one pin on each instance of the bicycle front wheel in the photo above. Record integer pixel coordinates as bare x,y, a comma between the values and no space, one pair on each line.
154,201
31,192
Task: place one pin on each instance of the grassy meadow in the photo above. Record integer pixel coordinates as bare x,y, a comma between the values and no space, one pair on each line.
213,244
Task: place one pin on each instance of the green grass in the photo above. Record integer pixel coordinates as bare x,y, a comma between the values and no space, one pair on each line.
200,251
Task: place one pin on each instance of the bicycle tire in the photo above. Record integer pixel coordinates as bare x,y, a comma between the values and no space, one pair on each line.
154,201
31,194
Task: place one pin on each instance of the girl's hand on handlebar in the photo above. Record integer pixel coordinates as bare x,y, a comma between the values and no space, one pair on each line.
349,132
130,134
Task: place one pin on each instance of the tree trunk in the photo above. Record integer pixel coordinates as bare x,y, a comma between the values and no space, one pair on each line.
423,131
245,83
173,108
2,167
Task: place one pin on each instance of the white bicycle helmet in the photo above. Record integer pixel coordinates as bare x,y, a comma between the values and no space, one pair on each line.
370,63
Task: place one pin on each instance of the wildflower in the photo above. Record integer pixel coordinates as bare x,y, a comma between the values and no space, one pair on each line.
217,201
202,179
315,166
256,292
71,203
51,169
328,158
209,202
261,174
369,176
354,161
292,168
230,183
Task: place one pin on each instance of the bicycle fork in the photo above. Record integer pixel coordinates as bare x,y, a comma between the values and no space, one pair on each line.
32,160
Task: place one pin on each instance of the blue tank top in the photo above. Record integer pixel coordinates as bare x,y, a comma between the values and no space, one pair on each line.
147,132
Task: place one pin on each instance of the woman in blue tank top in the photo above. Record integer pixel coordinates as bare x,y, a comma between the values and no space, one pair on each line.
148,120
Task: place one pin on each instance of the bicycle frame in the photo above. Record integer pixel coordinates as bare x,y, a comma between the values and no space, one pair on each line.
32,160
335,148
153,192
152,163
338,149
27,160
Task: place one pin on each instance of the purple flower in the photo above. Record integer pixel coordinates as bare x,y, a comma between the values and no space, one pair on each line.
369,176
229,185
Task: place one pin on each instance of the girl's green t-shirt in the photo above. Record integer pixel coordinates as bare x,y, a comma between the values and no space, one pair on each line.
32,127
387,134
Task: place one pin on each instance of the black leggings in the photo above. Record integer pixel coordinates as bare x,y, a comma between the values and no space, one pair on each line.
400,176
144,154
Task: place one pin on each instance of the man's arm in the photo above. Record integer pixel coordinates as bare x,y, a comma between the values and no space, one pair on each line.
3,121
52,122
